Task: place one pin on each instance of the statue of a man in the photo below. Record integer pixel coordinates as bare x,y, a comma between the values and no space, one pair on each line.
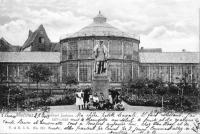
101,54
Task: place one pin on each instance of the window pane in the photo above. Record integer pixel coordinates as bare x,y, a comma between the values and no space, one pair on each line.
115,49
135,71
144,71
164,73
85,49
85,71
22,73
176,73
115,71
12,73
187,73
154,72
72,50
128,50
64,51
3,73
55,73
69,69
135,52
127,71
195,74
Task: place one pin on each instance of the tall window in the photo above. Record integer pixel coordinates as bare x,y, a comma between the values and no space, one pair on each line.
154,72
55,73
85,49
164,73
135,52
85,71
135,70
115,49
72,68
13,73
69,69
127,70
176,73
22,71
72,50
64,51
187,73
128,50
195,74
144,71
115,71
3,72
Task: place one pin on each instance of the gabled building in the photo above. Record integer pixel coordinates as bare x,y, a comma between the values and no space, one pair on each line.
39,41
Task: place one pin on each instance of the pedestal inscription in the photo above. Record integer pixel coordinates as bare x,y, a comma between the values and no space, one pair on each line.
101,84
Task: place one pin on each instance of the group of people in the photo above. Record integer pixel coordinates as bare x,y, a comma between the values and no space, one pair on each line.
85,100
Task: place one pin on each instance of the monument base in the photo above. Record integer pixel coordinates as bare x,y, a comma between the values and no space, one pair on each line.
101,84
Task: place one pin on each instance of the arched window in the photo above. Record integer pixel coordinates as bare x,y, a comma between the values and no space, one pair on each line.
41,40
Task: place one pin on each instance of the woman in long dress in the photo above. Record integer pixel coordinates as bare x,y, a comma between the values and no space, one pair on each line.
79,99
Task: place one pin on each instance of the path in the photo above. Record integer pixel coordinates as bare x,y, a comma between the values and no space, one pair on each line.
127,108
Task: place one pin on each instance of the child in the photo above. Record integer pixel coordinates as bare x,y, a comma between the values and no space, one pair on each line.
119,106
96,100
79,99
90,105
107,105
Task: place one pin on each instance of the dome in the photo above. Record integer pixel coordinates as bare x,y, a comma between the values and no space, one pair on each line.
100,27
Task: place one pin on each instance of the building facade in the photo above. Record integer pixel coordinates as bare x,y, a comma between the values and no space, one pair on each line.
74,55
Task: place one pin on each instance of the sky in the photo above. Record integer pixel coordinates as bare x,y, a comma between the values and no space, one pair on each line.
172,25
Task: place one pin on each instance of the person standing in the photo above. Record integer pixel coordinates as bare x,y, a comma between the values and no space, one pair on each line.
110,98
79,99
86,98
101,101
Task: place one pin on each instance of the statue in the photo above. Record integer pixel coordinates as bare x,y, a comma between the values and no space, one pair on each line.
101,54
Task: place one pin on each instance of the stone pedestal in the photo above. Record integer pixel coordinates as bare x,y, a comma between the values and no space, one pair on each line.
101,84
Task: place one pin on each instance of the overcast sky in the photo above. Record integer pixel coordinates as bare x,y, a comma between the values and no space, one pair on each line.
168,24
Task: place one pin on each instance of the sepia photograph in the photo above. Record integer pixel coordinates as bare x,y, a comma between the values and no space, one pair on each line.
104,66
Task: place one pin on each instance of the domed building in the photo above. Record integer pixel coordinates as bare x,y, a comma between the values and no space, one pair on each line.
76,55
78,52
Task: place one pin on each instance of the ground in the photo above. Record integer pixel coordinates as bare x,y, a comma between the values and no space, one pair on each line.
127,108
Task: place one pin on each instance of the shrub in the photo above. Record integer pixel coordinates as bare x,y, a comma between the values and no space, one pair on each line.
70,80
3,95
173,89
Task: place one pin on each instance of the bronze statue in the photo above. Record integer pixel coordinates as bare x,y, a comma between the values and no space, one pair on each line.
101,55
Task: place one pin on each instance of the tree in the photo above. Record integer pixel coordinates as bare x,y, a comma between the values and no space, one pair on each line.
162,90
3,96
2,72
38,73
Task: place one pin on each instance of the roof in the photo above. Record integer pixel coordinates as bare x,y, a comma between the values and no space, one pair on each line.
54,47
169,57
32,36
5,46
30,57
100,27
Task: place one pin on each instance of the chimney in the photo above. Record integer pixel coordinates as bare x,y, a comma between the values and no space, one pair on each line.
183,50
